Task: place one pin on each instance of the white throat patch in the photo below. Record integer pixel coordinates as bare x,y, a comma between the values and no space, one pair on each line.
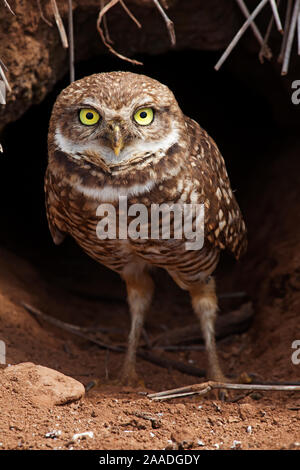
75,149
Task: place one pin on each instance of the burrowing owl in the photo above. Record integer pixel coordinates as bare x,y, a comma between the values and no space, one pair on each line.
123,134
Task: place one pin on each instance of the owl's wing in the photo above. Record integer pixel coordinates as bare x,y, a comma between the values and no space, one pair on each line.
55,223
224,224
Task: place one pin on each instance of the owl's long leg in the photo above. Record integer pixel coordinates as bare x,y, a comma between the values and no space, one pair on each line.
204,301
140,289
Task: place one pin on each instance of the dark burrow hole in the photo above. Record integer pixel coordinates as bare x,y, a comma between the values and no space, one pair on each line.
234,112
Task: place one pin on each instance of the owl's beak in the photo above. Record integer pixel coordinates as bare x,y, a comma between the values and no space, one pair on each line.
116,138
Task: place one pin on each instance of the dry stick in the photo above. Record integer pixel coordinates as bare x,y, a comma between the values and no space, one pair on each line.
60,25
42,14
105,25
3,76
203,388
240,33
2,92
9,7
289,43
168,363
276,15
130,14
169,23
286,30
262,54
231,323
71,42
257,34
79,331
298,28
76,330
102,12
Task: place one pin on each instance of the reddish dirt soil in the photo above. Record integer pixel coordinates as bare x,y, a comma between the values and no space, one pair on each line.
118,416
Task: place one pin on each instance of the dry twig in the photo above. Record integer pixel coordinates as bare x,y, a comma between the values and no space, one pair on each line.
71,41
240,33
105,25
3,76
102,12
76,330
265,50
2,92
286,29
265,46
9,7
169,23
125,7
234,322
276,15
298,28
290,38
42,14
60,25
205,387
94,338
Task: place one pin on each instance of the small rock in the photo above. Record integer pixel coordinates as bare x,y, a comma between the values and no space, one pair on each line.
83,435
44,386
249,429
53,434
236,445
184,439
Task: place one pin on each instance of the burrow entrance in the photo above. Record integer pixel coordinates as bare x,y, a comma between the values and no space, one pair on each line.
256,142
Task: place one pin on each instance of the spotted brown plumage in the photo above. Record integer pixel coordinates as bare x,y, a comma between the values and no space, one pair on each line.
170,160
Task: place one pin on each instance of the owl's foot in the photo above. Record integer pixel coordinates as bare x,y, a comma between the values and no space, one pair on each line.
222,394
130,380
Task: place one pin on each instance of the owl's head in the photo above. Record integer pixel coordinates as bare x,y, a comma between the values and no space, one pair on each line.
115,115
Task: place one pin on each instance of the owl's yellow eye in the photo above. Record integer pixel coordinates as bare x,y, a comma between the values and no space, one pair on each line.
144,116
89,117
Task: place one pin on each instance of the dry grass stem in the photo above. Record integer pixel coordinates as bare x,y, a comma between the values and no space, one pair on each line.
169,23
60,25
287,21
264,48
298,29
9,7
205,387
102,12
276,15
71,42
290,38
2,92
3,76
254,28
42,14
130,14
240,33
